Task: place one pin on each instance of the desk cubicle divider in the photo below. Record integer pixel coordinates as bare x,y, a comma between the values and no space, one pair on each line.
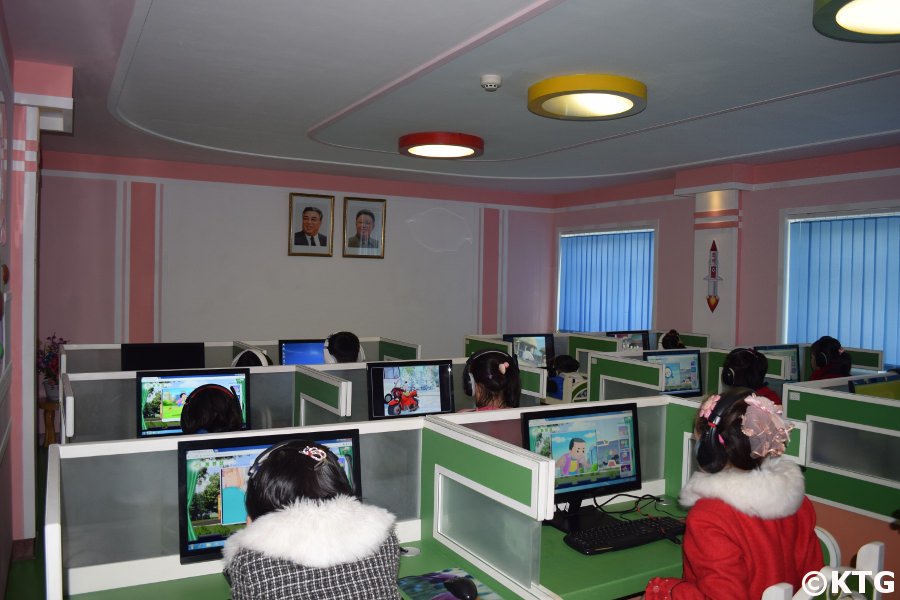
321,389
860,358
481,497
580,344
691,340
615,376
106,358
474,343
112,507
389,349
715,361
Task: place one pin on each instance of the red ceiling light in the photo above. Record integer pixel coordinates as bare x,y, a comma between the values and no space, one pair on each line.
441,144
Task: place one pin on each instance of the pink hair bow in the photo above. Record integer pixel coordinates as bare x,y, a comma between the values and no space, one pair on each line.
709,405
503,367
765,427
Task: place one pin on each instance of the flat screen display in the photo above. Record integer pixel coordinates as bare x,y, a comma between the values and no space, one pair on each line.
632,340
161,396
301,352
409,388
212,483
162,355
790,351
681,370
531,349
594,449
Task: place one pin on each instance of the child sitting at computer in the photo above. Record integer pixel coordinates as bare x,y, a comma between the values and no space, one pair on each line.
308,536
828,359
750,524
491,377
746,367
211,408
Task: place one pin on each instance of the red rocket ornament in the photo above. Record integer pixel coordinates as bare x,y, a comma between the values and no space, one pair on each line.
713,279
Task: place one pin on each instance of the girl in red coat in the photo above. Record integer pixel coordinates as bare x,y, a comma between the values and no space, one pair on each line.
750,524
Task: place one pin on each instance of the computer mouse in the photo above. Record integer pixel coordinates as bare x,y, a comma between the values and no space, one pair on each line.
462,587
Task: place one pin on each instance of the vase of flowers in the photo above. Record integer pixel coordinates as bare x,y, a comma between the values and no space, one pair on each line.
48,364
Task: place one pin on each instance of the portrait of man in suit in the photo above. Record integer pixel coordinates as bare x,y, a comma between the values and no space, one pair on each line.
309,235
311,225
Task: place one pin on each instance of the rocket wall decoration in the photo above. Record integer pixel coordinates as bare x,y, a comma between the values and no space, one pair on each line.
712,278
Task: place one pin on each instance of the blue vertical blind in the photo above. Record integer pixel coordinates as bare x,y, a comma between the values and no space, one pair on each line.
606,281
843,280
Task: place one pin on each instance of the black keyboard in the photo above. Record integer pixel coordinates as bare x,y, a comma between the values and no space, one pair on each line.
619,534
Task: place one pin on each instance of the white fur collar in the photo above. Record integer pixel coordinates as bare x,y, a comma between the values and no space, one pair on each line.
315,535
773,491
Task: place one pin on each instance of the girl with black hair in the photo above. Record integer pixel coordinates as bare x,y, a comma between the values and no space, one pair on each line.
828,359
750,524
747,367
495,381
308,536
211,408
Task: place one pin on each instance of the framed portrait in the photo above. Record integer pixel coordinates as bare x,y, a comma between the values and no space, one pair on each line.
311,225
364,227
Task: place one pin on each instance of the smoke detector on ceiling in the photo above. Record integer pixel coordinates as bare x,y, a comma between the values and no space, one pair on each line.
491,83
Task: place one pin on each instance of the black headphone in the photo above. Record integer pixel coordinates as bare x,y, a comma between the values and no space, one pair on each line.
209,386
706,446
469,380
757,368
821,359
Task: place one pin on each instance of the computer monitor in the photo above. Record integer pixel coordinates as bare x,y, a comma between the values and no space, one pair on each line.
531,349
596,453
301,352
632,340
791,351
681,371
410,388
161,396
212,483
162,355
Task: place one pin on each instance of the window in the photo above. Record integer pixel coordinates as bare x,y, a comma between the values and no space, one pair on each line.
605,281
843,280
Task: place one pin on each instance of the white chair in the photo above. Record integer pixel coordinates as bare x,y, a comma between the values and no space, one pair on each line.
869,558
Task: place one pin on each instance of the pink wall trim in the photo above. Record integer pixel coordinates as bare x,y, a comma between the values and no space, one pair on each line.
837,164
738,277
705,176
490,270
142,264
648,189
114,165
716,225
716,213
42,78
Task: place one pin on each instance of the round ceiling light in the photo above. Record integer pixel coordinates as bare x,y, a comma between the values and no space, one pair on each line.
441,144
858,20
587,97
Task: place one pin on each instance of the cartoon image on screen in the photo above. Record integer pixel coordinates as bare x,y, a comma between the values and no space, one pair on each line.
531,351
681,370
162,396
411,389
216,488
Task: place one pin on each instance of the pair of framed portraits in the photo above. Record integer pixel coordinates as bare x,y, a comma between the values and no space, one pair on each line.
312,226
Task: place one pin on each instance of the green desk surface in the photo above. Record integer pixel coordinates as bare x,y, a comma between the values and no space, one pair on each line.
606,576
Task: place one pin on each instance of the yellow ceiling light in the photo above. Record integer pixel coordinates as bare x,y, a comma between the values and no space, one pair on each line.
590,97
858,20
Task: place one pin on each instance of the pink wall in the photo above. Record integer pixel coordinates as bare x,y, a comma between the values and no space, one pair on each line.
761,255
530,272
490,270
142,263
77,270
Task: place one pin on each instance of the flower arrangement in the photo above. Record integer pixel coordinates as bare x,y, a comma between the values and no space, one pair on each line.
48,358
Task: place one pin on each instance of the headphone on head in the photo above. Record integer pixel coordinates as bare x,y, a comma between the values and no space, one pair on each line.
469,379
821,359
245,354
706,446
329,357
758,366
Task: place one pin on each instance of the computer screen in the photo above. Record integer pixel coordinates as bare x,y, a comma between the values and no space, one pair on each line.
301,352
161,396
791,351
681,369
162,355
531,349
595,449
632,340
409,388
212,483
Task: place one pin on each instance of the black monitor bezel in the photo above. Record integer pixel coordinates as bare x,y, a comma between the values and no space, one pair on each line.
140,433
795,347
680,351
374,396
579,495
187,557
300,341
549,346
645,336
162,356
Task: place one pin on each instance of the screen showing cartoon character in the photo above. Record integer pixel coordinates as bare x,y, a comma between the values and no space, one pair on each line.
162,397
